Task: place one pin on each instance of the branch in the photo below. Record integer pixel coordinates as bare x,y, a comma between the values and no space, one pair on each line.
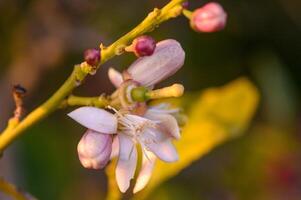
99,102
152,21
13,191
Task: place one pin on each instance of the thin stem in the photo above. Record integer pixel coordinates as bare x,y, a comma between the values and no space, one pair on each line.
45,109
172,9
12,191
187,13
153,19
72,100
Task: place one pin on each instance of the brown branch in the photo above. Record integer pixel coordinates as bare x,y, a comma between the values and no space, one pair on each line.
18,94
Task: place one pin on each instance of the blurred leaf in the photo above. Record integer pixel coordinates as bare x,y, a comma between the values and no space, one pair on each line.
217,115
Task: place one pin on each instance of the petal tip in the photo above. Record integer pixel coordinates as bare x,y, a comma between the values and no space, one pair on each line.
115,77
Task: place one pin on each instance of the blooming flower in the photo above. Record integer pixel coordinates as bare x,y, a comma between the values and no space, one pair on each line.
152,128
157,127
153,132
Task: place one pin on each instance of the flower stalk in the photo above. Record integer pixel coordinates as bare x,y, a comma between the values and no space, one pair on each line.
187,13
72,100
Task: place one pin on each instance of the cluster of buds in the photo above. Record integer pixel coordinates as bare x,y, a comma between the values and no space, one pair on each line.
129,121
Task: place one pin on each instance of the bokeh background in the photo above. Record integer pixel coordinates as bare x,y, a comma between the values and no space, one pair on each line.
40,41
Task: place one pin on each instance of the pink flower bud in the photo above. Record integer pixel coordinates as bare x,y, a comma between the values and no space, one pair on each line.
209,18
144,46
167,59
92,56
94,149
185,5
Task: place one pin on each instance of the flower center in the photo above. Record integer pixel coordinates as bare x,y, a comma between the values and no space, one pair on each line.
133,125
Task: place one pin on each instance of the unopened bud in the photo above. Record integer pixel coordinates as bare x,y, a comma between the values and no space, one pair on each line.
209,18
185,4
94,149
167,59
92,56
142,46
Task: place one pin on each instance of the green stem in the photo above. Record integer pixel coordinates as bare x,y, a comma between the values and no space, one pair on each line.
172,9
72,100
187,13
153,19
45,109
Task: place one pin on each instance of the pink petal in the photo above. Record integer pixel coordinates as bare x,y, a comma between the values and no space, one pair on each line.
165,61
95,119
209,18
153,135
115,77
168,123
148,162
164,150
94,149
127,161
115,148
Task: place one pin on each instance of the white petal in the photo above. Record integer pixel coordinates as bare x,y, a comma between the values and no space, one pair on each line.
163,108
168,123
95,119
153,135
127,161
148,162
115,77
164,150
115,148
165,61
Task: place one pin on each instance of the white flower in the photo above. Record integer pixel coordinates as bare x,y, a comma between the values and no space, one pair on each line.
153,132
167,59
